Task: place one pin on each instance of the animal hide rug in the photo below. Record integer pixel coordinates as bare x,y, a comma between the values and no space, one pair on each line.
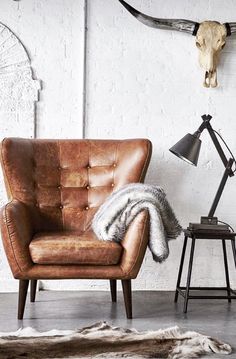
102,341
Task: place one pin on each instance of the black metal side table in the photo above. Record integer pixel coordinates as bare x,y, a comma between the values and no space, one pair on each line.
194,234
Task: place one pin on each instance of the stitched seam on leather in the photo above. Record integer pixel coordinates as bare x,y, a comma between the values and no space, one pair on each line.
4,165
5,214
146,161
62,213
144,227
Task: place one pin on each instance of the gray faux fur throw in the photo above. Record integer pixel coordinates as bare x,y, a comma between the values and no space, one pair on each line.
103,341
115,215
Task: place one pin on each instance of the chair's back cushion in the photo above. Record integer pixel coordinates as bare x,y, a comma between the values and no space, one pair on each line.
65,181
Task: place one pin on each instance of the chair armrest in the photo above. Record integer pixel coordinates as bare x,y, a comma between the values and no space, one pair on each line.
135,245
17,232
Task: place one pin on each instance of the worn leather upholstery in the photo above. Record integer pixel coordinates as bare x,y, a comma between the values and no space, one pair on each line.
77,247
54,188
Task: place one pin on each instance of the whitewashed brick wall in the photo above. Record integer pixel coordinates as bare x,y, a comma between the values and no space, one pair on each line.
141,82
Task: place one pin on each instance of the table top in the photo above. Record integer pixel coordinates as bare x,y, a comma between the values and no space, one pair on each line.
209,234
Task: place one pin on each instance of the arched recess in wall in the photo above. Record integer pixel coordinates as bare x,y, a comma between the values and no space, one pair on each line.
18,91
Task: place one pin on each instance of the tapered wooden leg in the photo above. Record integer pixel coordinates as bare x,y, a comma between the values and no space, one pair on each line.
113,289
127,292
23,288
33,287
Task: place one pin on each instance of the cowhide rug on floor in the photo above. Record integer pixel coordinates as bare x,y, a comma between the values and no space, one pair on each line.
103,341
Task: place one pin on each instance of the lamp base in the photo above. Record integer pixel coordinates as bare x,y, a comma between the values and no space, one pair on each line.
209,220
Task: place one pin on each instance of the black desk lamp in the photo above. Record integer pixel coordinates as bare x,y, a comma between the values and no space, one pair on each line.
188,149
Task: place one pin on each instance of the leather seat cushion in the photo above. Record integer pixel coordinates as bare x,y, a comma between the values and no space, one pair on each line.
73,248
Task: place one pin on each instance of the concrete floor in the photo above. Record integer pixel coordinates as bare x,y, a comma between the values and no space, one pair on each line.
151,310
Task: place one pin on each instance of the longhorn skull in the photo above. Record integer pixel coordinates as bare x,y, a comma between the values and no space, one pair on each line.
210,38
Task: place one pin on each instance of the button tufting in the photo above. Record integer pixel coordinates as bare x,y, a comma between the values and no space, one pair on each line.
88,187
36,205
59,168
86,208
59,187
112,185
114,164
61,207
88,167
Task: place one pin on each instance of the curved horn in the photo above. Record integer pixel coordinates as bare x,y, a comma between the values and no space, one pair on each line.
230,27
188,26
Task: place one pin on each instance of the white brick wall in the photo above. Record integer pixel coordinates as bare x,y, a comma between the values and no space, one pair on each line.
141,82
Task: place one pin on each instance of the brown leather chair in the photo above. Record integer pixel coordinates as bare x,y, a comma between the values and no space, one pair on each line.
55,187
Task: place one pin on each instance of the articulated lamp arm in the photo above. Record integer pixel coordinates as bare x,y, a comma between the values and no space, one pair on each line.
227,162
188,148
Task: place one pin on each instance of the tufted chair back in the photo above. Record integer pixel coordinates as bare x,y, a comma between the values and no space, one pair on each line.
65,181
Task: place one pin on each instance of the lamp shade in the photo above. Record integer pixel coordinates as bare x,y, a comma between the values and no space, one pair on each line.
188,148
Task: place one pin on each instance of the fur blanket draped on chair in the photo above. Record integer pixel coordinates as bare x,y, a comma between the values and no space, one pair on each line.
115,215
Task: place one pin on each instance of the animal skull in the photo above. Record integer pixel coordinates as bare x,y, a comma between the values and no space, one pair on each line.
210,38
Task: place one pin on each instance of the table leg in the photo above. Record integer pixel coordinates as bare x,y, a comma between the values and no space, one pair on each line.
181,268
234,250
189,275
226,269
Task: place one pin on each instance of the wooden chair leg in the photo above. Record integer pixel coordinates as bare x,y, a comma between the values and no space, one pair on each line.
33,287
127,292
113,288
23,288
